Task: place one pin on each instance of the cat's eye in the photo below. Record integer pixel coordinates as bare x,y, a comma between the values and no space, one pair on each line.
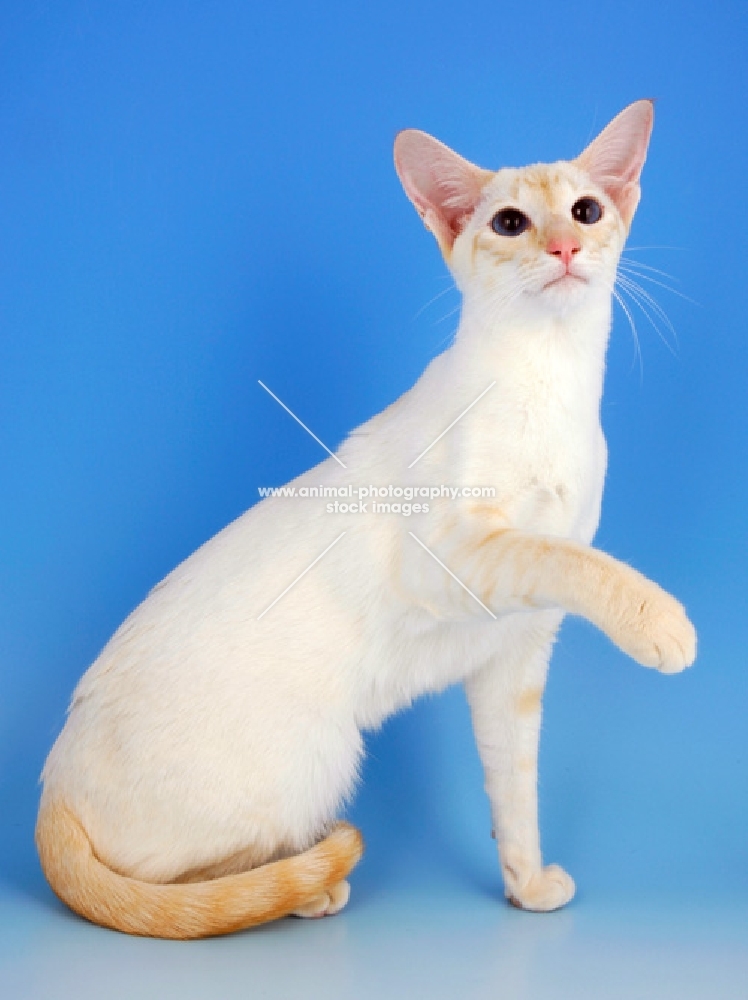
510,222
587,210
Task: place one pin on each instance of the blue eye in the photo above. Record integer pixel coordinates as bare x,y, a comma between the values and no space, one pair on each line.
587,210
510,222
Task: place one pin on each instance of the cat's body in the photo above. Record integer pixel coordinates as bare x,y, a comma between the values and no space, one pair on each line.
215,734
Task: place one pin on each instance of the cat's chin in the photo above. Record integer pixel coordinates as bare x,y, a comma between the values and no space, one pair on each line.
565,294
570,300
566,282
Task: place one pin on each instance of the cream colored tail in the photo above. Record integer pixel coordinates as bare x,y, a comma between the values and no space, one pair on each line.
185,910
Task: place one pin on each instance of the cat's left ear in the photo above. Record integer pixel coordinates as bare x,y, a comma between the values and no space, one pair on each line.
614,160
443,186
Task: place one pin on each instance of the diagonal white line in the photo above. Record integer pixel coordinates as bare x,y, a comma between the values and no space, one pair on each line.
456,420
311,564
455,578
311,433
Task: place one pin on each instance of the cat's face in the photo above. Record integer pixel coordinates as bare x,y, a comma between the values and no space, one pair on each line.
540,241
543,239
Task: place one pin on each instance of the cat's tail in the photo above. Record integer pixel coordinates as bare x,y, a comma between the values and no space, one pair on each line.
185,910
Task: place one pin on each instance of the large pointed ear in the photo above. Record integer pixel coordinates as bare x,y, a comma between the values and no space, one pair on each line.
443,187
614,160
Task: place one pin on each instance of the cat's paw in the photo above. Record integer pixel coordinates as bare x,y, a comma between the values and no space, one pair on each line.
542,890
327,903
654,629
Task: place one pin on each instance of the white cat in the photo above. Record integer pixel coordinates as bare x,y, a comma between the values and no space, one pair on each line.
209,748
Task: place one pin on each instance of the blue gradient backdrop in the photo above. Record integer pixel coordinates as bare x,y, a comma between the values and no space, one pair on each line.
197,195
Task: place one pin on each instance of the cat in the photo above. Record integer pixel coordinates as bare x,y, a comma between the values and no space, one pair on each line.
194,787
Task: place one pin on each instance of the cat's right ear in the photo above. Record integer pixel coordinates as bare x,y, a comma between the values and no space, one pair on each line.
443,186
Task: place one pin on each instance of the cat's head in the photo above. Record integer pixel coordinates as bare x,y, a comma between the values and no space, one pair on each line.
545,238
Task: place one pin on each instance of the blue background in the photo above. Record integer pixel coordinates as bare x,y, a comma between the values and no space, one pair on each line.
197,195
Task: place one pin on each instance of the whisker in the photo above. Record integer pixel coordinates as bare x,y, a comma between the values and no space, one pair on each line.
514,294
646,267
633,249
645,303
451,313
645,277
436,298
651,301
450,336
636,300
637,346
655,305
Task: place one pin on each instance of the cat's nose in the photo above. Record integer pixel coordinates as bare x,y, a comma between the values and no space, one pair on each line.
563,246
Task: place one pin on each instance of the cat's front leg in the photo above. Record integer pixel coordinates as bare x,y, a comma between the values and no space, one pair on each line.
514,570
505,703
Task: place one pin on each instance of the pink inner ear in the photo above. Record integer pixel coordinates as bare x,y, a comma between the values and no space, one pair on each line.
614,160
443,186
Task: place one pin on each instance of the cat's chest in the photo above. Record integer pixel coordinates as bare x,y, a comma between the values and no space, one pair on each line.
543,454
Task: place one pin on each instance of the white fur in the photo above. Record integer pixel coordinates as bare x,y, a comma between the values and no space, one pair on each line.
202,731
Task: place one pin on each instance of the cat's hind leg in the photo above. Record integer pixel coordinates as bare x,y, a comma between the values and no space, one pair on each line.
327,903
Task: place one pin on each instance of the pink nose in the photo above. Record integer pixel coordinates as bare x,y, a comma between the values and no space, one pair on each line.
564,247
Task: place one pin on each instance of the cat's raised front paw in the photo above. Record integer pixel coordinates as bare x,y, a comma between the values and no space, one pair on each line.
545,889
654,629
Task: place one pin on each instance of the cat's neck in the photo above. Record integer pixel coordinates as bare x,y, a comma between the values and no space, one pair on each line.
566,352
